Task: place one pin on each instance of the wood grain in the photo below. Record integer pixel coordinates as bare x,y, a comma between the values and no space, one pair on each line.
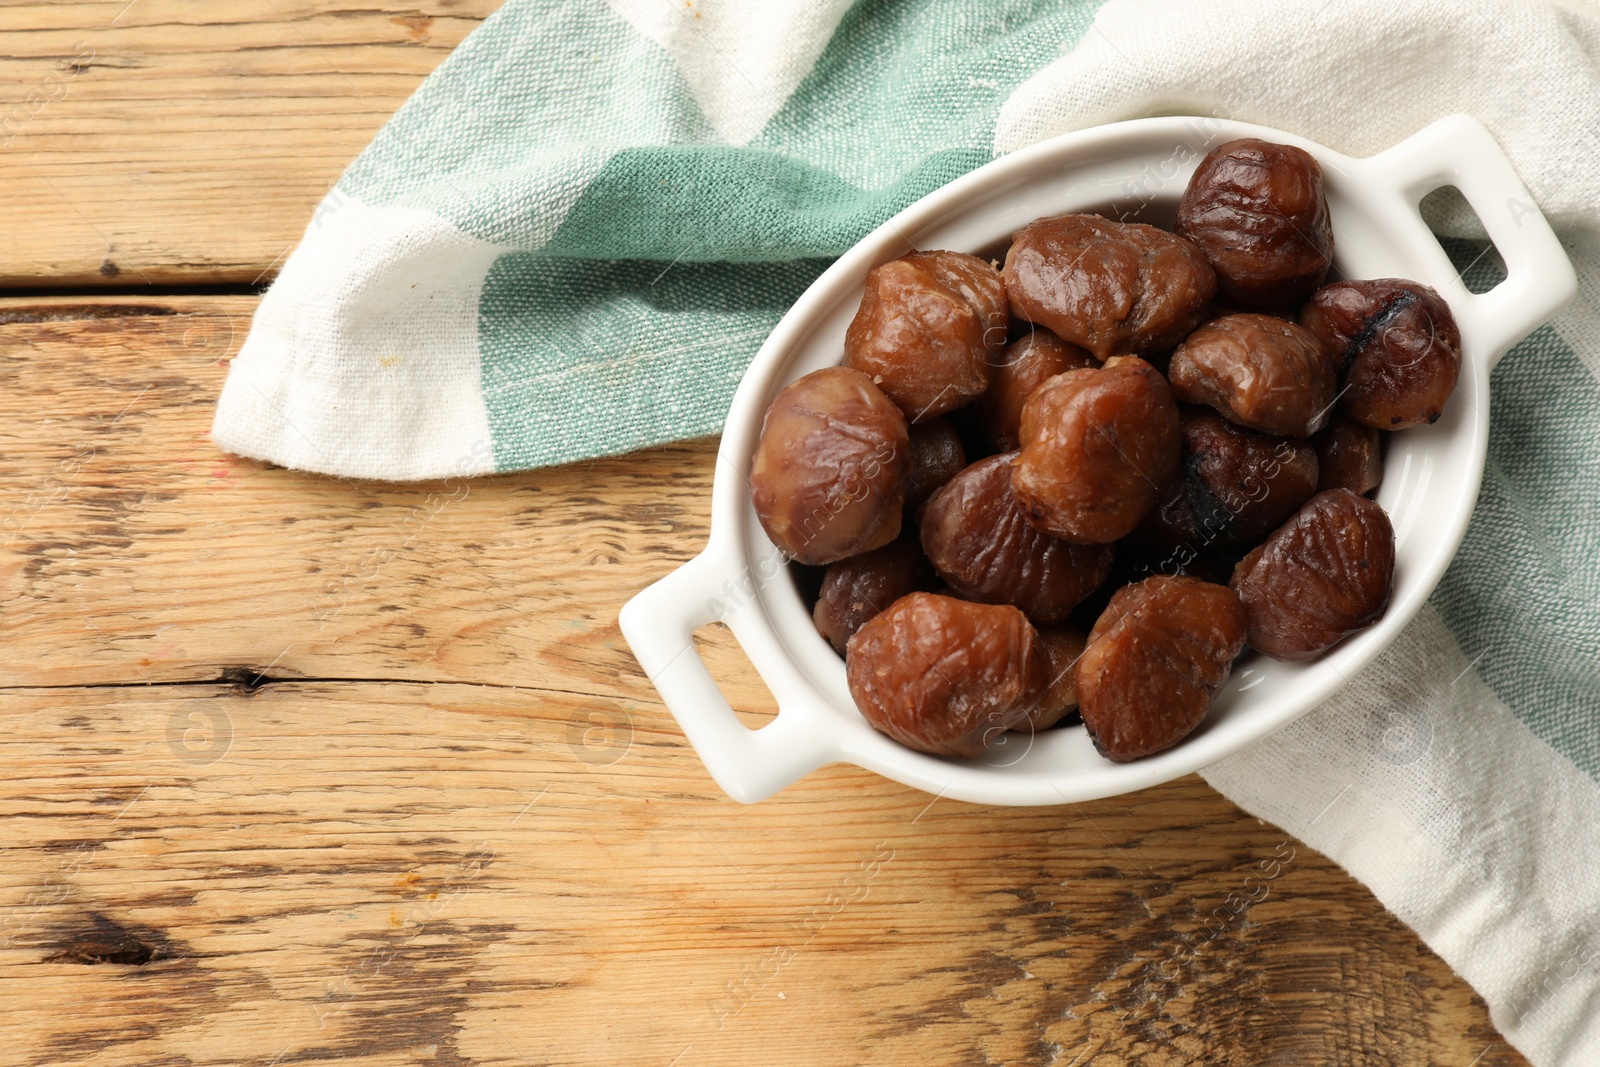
320,770
170,142
128,543
425,873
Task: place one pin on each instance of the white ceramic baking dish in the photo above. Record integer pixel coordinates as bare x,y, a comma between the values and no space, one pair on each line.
1137,170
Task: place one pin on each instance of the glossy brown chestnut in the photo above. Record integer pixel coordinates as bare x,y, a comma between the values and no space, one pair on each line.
979,539
1097,448
945,676
1258,212
1240,485
828,479
929,326
1154,661
1062,645
1259,371
936,457
1324,574
1026,364
1398,343
1115,288
855,590
1349,456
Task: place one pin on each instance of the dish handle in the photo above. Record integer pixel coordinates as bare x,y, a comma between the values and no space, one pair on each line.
659,624
1457,150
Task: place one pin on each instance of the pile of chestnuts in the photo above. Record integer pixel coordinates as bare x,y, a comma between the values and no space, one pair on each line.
1085,480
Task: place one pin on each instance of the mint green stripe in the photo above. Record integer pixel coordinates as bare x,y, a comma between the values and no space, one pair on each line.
1523,595
530,104
583,358
633,324
901,81
709,202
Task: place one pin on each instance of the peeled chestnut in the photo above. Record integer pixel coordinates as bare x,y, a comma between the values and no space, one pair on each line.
1398,343
1258,212
1235,486
1098,445
1239,485
1026,364
1115,288
854,590
979,539
1324,574
1062,645
929,326
1259,371
828,479
945,676
1349,456
1155,659
936,457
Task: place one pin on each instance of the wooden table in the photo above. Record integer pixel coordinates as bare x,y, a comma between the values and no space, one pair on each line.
302,770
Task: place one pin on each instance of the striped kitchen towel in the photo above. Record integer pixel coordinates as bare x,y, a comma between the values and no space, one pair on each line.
573,238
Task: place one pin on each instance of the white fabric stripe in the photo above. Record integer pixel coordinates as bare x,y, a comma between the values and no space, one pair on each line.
741,60
1355,75
1467,826
377,306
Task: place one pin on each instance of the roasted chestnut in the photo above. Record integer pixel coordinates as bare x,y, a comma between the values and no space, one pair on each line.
1115,288
929,326
1398,344
1026,364
1349,456
936,457
1098,445
1324,574
1062,645
1154,661
1258,371
828,479
946,676
1258,212
979,539
856,589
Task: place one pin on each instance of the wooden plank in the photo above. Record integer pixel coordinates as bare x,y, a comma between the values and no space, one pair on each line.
169,142
267,838
381,873
129,545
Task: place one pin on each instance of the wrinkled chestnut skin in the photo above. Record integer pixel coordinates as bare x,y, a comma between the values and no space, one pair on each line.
1398,343
1258,212
1237,485
979,539
1097,446
1259,371
945,676
1061,645
829,474
1115,288
1156,657
929,326
855,590
1325,574
936,457
1025,365
1349,456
